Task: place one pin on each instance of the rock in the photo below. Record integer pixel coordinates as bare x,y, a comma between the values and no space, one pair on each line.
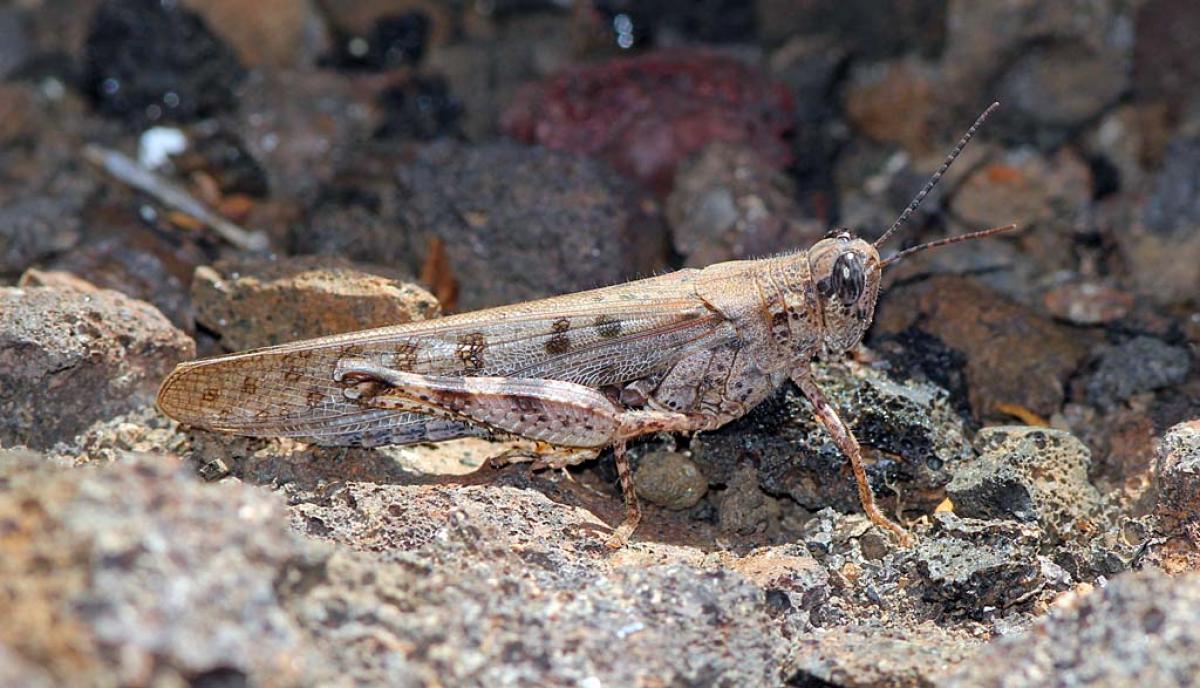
743,508
910,432
299,126
1051,90
253,303
896,102
1135,631
1164,71
46,186
1087,303
876,654
1177,476
865,28
508,216
635,25
1025,188
1014,355
146,62
669,479
1031,475
277,34
729,204
487,73
976,567
420,109
121,254
647,114
1029,50
1173,208
448,550
1141,364
69,358
137,573
15,46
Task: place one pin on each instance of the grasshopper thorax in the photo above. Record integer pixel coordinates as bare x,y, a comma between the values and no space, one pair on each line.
844,273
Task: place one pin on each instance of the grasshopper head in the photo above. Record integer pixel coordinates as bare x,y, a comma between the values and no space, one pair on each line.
845,274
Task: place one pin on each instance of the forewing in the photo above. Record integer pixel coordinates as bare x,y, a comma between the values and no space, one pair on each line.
595,338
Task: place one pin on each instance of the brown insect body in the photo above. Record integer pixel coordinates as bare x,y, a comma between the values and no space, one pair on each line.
694,349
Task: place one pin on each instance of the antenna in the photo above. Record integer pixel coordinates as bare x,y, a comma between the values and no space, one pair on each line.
962,143
946,242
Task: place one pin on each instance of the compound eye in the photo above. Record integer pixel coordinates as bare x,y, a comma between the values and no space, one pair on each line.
848,279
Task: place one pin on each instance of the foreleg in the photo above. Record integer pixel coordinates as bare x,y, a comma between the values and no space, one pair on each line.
845,440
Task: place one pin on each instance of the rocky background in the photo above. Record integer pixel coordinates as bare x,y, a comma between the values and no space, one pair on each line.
1027,400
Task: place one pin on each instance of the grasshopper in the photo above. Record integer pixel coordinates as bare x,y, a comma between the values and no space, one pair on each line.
682,352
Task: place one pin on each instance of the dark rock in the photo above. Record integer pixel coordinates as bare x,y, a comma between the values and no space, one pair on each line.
911,436
148,61
1136,631
508,216
138,573
46,186
1141,364
1164,248
420,109
1164,66
729,204
976,567
1030,50
1032,475
914,354
256,303
271,34
665,22
222,155
123,255
647,114
669,479
70,358
743,508
298,126
486,73
1014,355
866,28
1177,475
1173,208
394,40
15,46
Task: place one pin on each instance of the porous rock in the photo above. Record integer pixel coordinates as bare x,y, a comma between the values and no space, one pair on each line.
972,567
910,432
69,358
1139,630
509,217
254,302
136,573
1031,475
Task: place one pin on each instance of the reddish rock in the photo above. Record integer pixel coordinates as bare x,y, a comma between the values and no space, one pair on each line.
1014,355
646,114
267,33
1087,303
70,357
254,303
